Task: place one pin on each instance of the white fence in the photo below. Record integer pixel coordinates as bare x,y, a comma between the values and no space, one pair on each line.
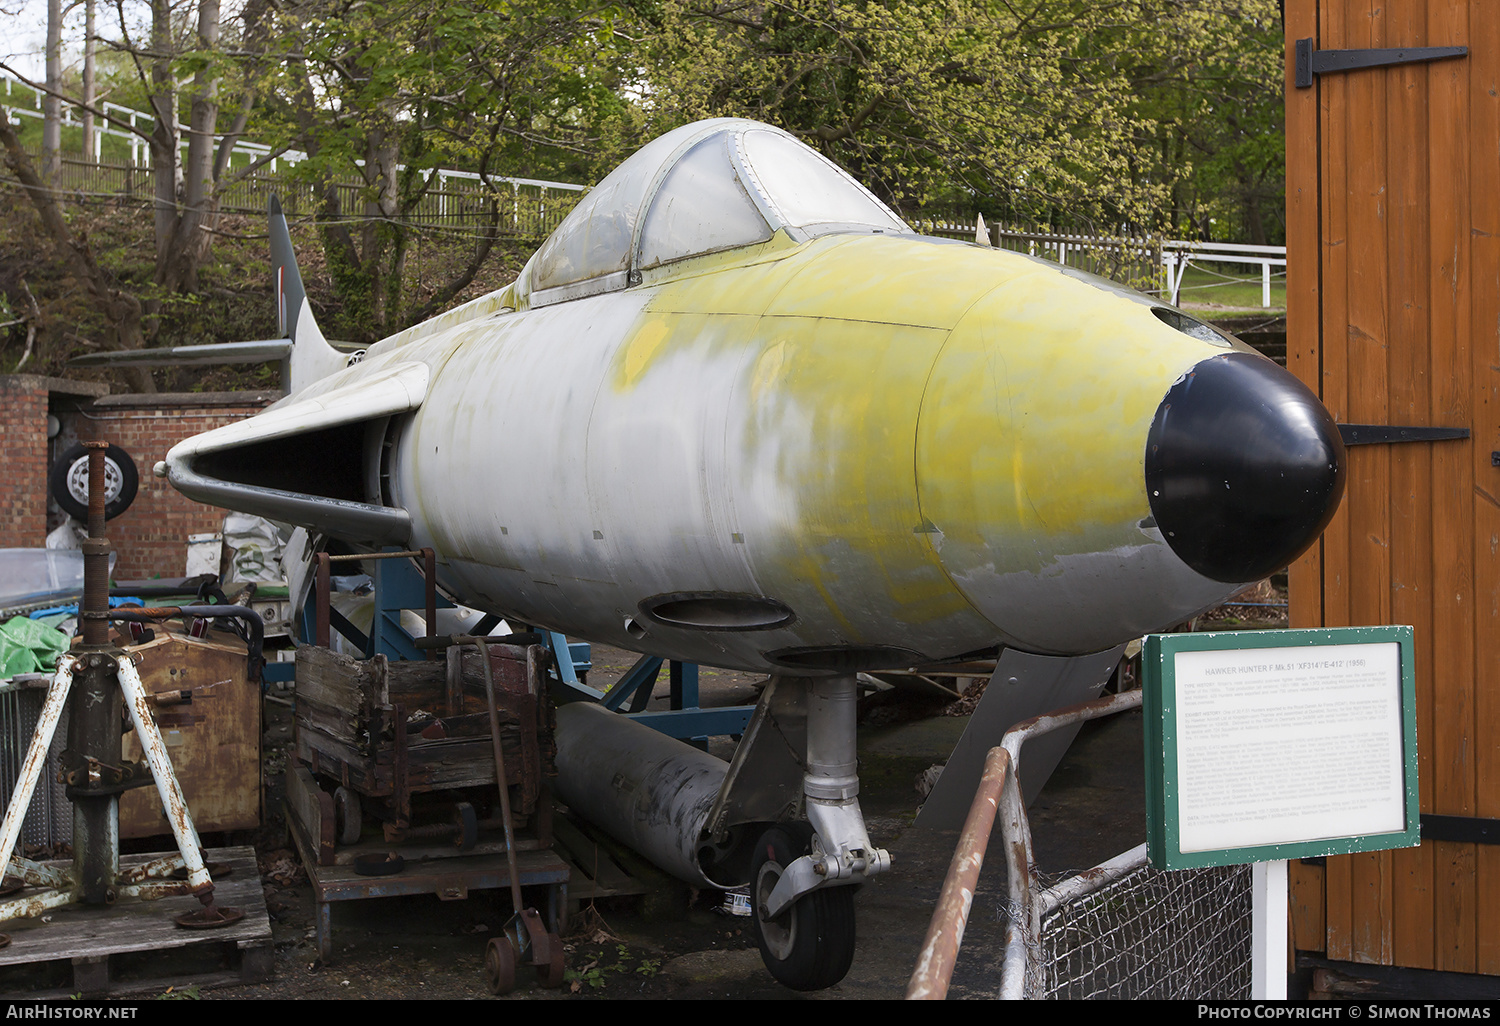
459,196
1148,264
1177,255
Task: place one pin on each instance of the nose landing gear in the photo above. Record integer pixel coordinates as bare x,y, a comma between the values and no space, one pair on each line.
810,945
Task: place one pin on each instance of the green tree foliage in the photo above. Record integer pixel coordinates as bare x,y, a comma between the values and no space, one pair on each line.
390,91
1094,113
1103,115
1219,116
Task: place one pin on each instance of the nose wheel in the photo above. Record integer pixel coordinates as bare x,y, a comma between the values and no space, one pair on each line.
809,946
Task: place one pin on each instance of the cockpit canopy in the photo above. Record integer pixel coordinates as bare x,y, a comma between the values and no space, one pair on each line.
703,188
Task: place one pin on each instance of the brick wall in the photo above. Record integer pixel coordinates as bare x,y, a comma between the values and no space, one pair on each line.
151,536
23,460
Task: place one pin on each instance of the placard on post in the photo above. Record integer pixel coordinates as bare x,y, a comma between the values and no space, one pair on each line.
1267,745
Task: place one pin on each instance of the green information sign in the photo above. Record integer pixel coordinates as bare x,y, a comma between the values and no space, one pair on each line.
1266,745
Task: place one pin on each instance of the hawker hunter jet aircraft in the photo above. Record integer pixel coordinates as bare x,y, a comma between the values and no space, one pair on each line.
736,412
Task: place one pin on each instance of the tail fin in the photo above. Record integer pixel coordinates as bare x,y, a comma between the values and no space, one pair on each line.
310,357
305,354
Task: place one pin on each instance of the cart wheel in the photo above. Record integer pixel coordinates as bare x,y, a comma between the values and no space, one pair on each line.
809,946
466,826
500,966
550,973
346,815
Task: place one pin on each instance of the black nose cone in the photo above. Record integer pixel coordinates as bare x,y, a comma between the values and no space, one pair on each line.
1244,468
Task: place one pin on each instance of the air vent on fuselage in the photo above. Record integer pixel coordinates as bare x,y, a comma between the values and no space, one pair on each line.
328,463
717,611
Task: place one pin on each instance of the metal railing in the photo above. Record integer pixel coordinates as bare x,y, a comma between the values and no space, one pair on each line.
1120,930
1132,261
1178,254
1148,264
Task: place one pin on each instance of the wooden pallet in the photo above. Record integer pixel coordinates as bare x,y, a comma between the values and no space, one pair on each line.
134,947
601,866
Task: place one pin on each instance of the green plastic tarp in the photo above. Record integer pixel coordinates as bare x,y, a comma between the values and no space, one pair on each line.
29,647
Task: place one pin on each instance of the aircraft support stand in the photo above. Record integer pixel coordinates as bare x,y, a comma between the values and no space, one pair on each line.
107,684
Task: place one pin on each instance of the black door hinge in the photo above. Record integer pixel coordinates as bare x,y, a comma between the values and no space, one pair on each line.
1312,62
1462,829
1386,434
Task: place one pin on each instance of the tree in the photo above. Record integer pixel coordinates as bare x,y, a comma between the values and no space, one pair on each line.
1221,126
186,190
1030,109
390,90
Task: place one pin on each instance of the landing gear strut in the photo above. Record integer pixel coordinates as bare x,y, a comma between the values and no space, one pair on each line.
802,874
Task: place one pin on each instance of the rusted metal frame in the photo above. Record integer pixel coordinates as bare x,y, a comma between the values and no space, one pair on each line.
1023,933
1090,880
999,794
34,905
945,933
360,557
500,776
156,869
167,787
153,890
31,772
39,874
321,588
1024,923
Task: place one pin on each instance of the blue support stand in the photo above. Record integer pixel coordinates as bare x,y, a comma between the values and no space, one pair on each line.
398,586
685,720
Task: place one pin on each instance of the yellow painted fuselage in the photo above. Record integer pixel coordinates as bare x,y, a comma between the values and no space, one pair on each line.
909,444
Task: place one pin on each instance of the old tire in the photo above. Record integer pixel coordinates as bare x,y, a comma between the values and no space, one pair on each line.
500,966
69,482
810,946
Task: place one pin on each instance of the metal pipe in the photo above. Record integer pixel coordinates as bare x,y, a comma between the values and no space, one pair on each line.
999,795
1023,934
167,788
36,760
95,552
251,618
945,934
322,589
94,708
832,758
501,779
1091,880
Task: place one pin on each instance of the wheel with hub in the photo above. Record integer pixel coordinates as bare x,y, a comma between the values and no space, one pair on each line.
69,482
500,966
809,946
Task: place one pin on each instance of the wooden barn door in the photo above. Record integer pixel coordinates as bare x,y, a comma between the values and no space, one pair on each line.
1393,203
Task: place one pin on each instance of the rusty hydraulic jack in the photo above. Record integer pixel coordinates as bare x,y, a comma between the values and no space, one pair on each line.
526,939
103,685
